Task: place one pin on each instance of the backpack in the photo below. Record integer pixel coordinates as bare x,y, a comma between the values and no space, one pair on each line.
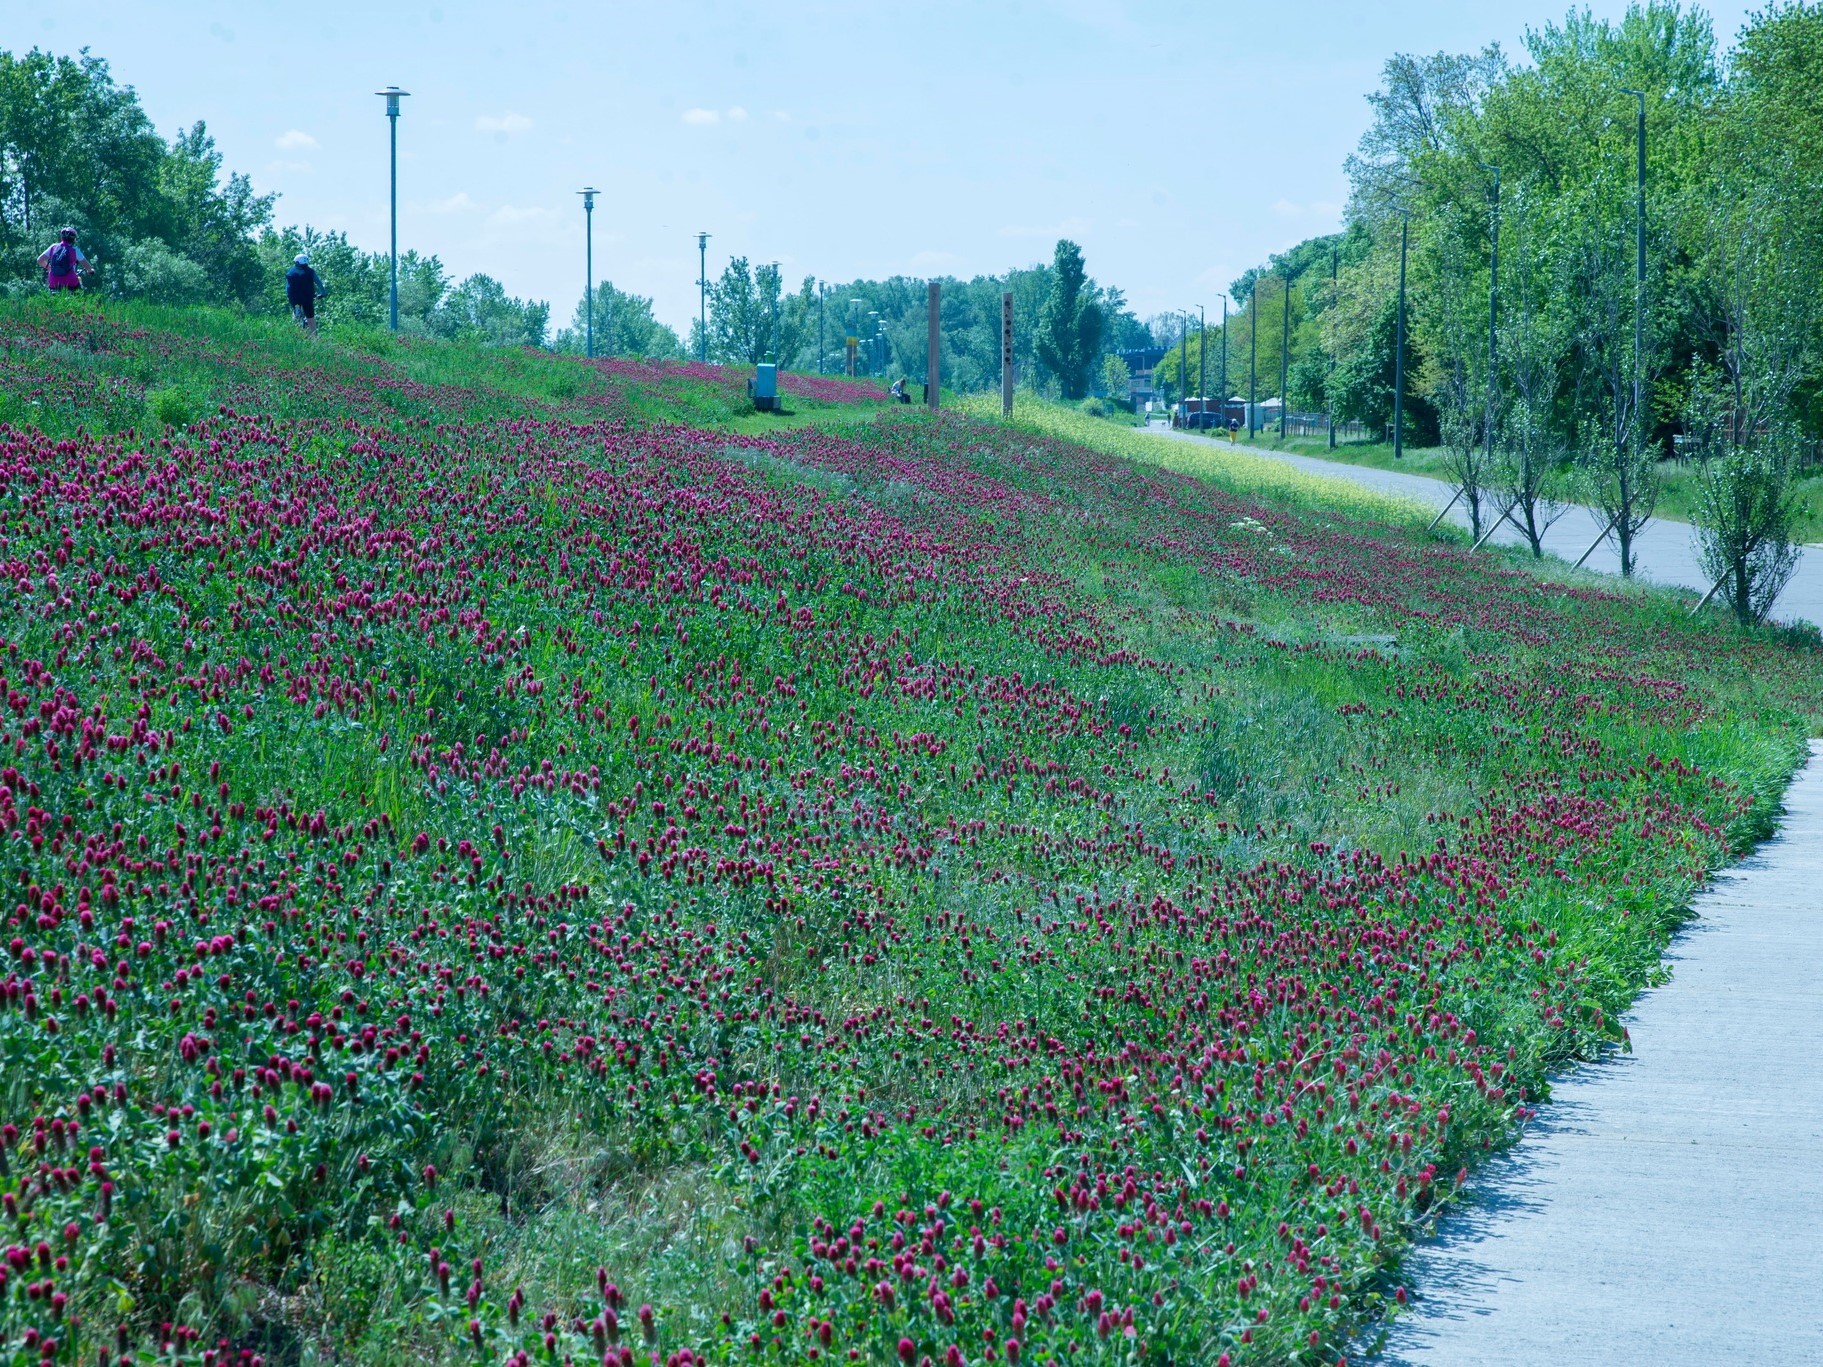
63,259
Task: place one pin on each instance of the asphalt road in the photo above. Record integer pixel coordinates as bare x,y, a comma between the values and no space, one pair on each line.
1665,551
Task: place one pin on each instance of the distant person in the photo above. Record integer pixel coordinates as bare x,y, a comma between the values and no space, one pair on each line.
63,262
901,390
1234,426
303,287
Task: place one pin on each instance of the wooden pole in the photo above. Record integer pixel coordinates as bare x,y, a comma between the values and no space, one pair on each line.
1495,526
933,367
1006,354
1707,596
1446,507
1591,551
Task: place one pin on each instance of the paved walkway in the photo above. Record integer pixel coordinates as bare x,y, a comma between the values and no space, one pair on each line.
1667,1205
1665,550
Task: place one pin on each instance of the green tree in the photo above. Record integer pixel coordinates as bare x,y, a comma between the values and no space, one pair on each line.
1069,325
624,326
1116,376
745,322
1362,386
479,309
76,148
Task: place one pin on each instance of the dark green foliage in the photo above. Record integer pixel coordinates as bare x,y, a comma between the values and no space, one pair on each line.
158,219
624,326
430,304
1362,387
1069,325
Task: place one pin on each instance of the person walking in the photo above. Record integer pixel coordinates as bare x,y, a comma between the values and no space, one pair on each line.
303,287
63,262
1234,425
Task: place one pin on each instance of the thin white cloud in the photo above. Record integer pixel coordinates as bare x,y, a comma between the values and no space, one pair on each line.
1067,228
1319,208
511,215
458,203
295,140
782,115
708,118
279,168
933,262
503,123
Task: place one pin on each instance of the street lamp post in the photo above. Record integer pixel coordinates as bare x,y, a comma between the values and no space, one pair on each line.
1639,280
1253,352
702,297
1202,365
1329,398
1285,356
1493,303
588,194
1224,360
1183,367
392,95
1405,225
773,327
822,289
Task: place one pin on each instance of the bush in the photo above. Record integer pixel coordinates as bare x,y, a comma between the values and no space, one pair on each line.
171,406
151,271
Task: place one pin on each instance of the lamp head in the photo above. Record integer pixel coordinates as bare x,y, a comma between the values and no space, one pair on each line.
588,193
392,95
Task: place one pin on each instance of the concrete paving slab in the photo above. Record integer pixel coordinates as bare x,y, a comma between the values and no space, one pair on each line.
1666,1207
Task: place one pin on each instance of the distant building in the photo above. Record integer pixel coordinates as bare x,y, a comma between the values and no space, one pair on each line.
1141,362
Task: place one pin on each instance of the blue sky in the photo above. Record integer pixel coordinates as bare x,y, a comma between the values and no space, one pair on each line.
1178,142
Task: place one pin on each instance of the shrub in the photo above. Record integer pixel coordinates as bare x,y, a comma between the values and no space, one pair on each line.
171,406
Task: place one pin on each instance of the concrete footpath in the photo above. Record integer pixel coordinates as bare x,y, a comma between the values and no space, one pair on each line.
1666,551
1666,1207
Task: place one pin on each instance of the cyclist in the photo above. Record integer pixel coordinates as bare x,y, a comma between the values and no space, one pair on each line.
63,262
303,287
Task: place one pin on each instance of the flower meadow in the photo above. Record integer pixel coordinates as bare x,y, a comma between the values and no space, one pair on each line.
492,875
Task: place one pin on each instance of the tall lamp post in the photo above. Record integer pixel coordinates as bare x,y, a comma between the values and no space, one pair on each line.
588,194
1253,352
702,297
1183,366
1285,356
822,289
1639,281
1329,398
772,331
392,95
1493,301
1405,226
1202,365
1224,360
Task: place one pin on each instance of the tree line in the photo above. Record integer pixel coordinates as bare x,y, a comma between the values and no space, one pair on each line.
164,223
1516,185
1063,323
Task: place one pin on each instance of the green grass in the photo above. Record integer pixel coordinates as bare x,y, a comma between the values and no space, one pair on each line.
1677,499
851,806
1236,470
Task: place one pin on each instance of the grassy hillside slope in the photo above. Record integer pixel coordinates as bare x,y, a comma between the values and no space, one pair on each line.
499,874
